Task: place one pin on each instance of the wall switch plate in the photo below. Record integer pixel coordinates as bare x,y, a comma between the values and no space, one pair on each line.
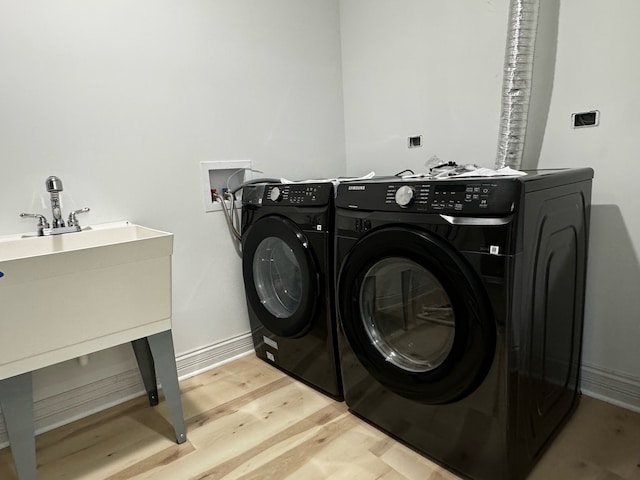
218,176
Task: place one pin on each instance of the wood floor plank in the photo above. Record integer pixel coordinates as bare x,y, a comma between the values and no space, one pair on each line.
208,414
153,462
412,466
283,441
290,460
244,427
247,421
97,453
348,455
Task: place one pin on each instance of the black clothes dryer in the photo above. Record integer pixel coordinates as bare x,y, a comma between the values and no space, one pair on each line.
287,264
461,312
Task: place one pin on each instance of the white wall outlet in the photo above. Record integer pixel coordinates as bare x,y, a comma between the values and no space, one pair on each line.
218,176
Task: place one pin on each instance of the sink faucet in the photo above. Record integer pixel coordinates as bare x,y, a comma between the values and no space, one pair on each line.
57,227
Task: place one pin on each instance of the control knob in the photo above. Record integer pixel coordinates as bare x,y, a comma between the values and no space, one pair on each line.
404,196
275,195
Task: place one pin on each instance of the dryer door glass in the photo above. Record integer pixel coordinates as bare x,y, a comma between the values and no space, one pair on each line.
407,314
277,277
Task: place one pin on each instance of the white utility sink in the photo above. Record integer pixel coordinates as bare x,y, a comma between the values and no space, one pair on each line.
67,295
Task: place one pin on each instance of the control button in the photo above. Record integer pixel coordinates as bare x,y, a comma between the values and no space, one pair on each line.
275,195
362,225
404,196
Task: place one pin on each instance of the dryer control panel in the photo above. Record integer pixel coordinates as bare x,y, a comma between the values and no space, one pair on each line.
460,197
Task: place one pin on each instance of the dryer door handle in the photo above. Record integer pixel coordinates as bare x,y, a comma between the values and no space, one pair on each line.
479,221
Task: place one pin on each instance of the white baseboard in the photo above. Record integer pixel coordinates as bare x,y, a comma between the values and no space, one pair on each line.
68,406
203,359
611,387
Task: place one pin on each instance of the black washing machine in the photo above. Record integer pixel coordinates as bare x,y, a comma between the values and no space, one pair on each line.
287,264
460,309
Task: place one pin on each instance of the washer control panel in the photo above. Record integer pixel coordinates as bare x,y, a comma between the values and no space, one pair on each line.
298,194
450,197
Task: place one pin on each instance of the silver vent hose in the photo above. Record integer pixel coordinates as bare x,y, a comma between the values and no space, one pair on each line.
518,77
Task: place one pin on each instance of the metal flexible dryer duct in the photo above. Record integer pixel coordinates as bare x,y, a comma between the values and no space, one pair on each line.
518,78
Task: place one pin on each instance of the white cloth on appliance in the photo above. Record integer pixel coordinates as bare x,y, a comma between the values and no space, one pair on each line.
335,181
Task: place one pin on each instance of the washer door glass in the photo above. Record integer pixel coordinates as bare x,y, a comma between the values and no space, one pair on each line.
277,277
281,276
407,314
415,314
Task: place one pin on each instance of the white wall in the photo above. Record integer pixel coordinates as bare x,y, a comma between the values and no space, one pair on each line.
598,68
434,67
421,67
123,98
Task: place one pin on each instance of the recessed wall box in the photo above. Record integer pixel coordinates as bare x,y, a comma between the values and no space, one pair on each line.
415,141
218,176
585,119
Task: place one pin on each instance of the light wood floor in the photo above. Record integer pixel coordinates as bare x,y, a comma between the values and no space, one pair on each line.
247,420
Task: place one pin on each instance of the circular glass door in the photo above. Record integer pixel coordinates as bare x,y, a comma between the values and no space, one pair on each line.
407,314
277,277
416,315
280,275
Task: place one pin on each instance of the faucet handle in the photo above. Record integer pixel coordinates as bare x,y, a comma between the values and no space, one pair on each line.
73,221
42,220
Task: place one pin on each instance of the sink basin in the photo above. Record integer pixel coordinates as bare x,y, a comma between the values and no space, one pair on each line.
68,295
29,246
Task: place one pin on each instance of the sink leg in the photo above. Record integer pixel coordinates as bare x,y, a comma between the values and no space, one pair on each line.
16,402
147,369
161,345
